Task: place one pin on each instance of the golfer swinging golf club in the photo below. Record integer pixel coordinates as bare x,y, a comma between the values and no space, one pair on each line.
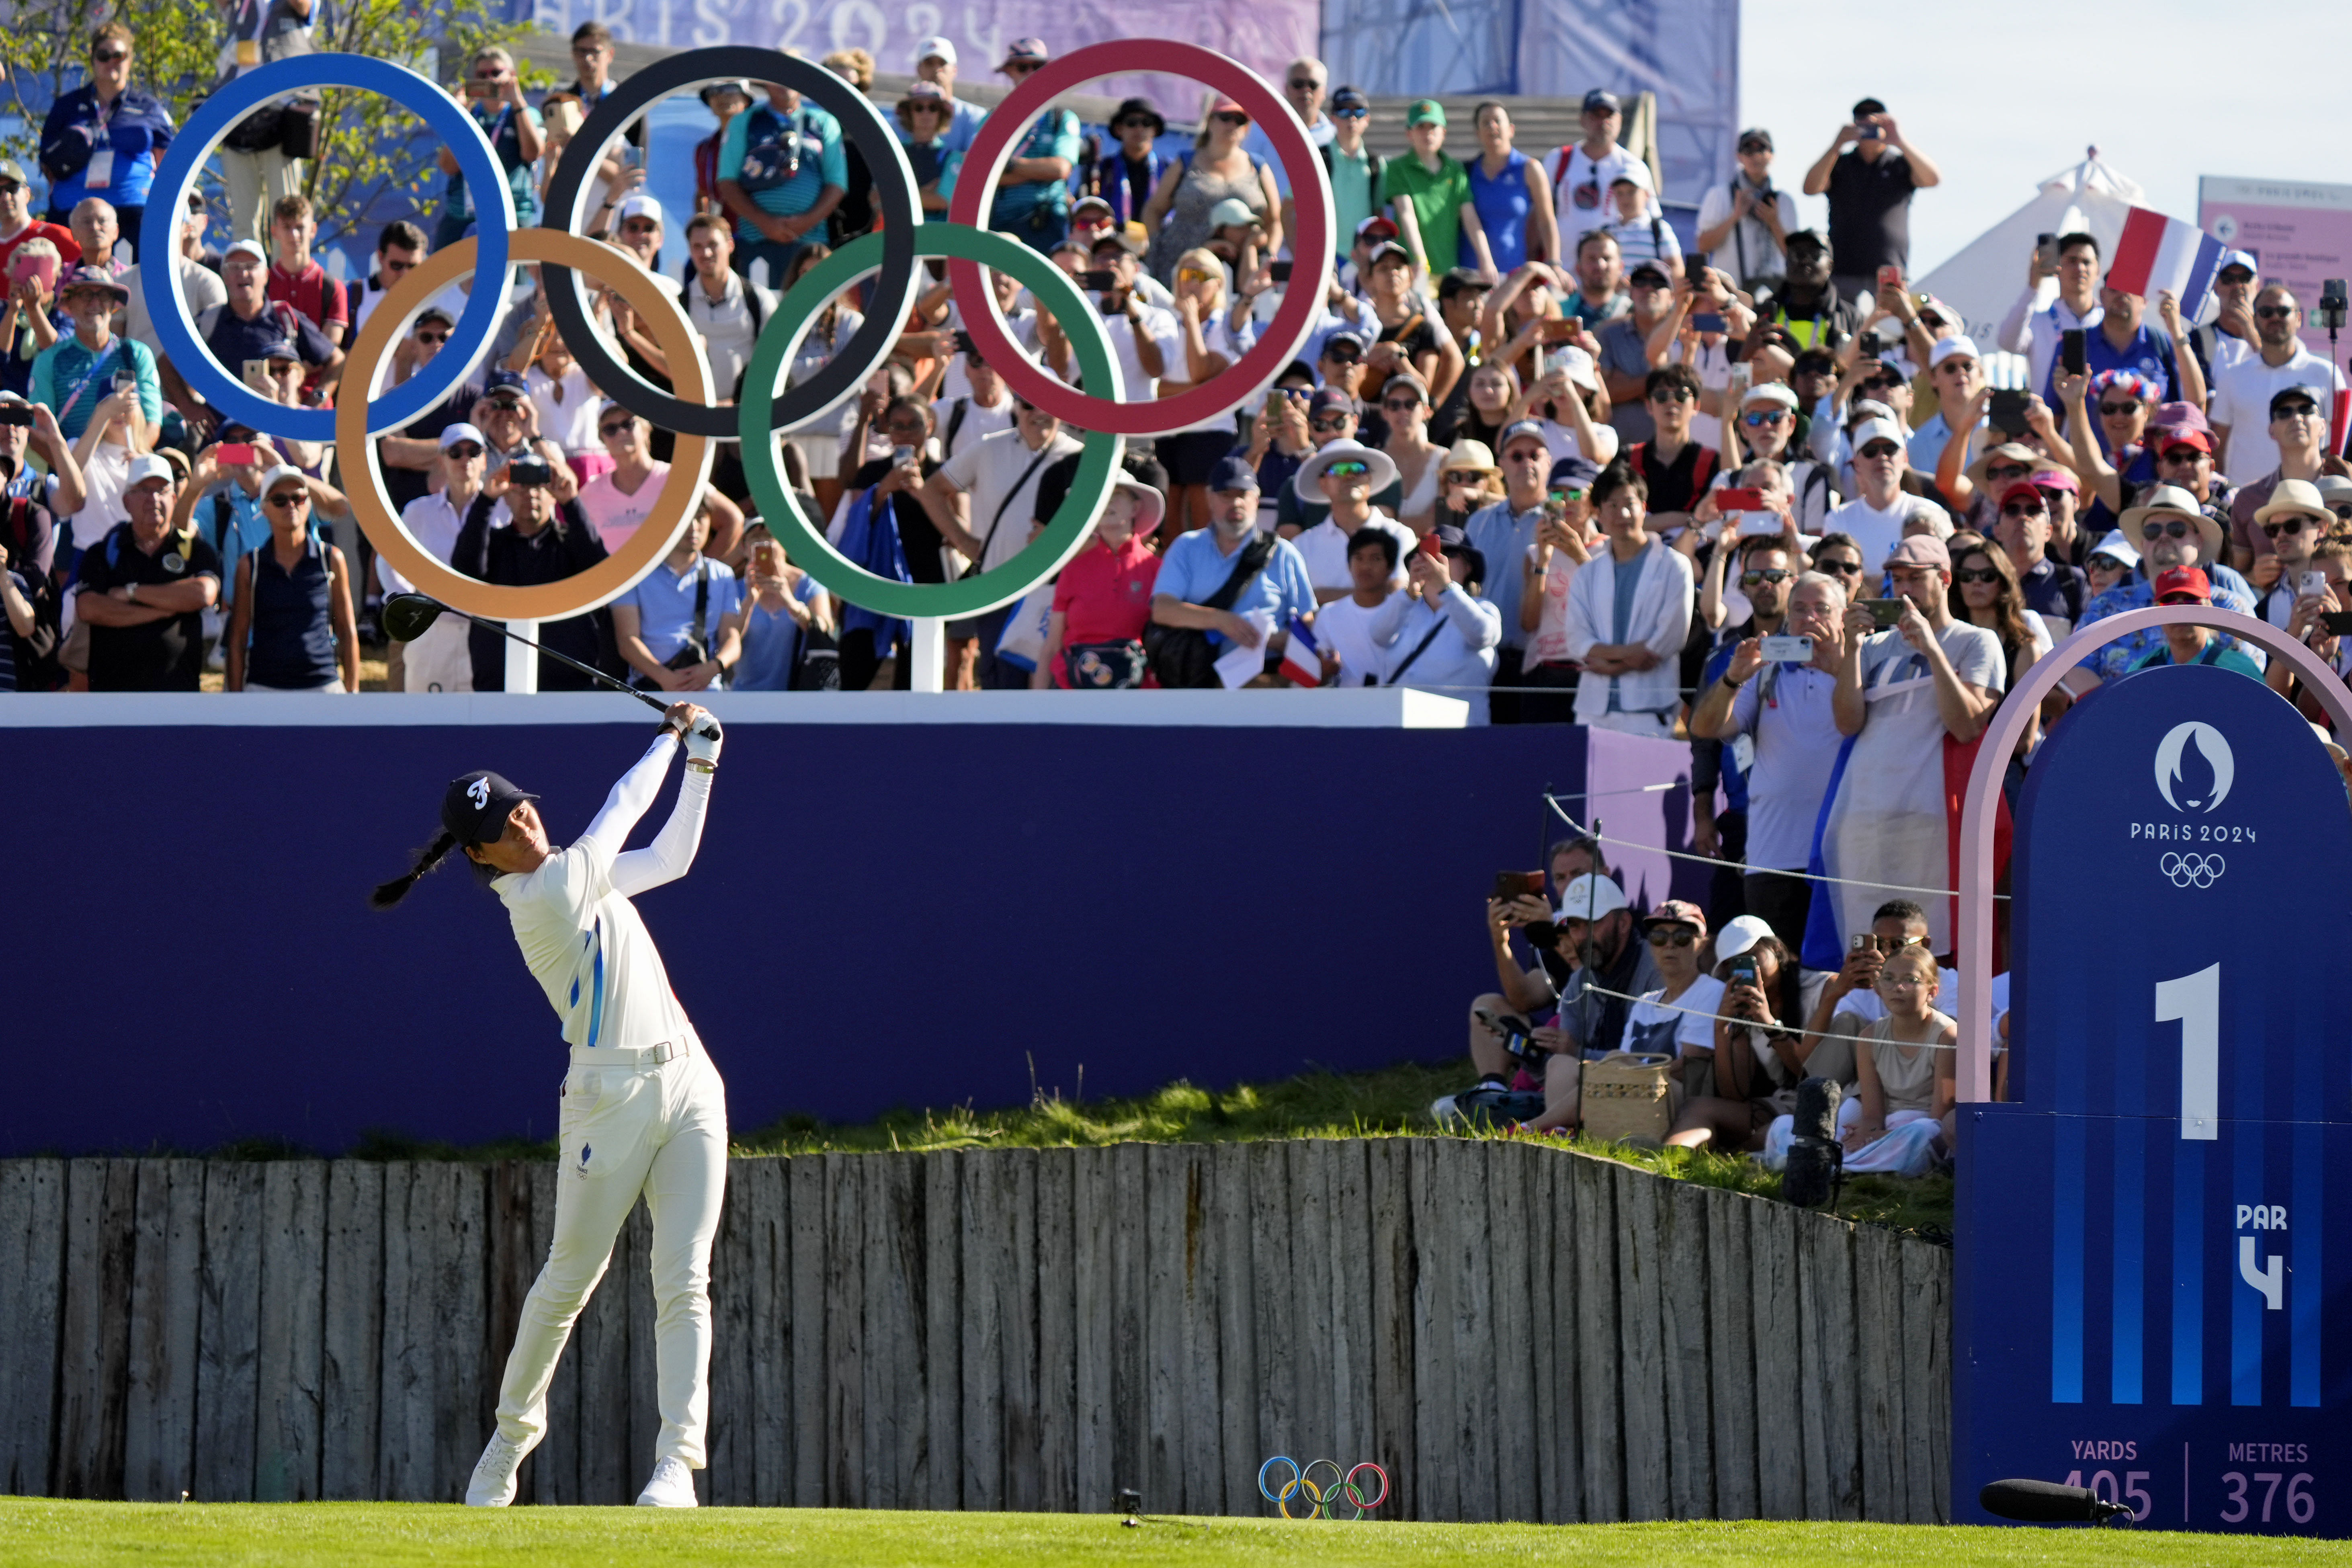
644,1110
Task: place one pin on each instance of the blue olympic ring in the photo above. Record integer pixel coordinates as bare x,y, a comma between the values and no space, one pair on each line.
476,160
1321,1499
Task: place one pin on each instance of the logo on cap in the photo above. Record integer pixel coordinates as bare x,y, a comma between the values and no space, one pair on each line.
479,792
2195,759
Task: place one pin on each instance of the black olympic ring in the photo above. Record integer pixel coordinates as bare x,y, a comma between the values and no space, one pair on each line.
2193,870
894,195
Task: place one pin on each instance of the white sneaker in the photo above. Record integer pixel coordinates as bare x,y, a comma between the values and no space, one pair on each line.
1444,1112
672,1487
493,1485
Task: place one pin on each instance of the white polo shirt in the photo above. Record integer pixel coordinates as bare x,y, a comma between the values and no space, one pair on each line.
2241,400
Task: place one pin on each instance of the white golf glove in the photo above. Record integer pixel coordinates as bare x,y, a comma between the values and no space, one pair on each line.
703,740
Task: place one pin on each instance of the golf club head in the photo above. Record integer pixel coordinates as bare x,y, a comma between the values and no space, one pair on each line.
406,615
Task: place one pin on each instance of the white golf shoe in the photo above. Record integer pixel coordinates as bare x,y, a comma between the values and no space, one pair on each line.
493,1485
672,1487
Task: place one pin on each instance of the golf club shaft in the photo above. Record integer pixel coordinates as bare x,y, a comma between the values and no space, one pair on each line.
591,671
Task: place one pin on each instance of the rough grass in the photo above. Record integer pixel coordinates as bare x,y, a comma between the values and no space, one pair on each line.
36,1533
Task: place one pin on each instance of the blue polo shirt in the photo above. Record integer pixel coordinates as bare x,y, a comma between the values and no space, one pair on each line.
1194,569
772,643
665,604
2149,353
1504,538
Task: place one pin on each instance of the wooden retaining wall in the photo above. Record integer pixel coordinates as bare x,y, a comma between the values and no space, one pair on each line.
1513,1331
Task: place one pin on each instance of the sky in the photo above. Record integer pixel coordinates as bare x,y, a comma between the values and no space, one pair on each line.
2000,95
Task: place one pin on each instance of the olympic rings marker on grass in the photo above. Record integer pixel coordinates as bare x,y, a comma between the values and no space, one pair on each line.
1320,1500
897,200
681,487
1302,299
213,120
807,546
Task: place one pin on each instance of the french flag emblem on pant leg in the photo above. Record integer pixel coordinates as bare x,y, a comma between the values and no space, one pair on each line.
2156,253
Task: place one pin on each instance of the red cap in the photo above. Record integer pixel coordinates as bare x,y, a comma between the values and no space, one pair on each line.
2197,438
2187,582
2016,488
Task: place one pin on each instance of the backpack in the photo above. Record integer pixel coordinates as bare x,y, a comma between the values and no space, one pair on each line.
36,666
1373,165
772,151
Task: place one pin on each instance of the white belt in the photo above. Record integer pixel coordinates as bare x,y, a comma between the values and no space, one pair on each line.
639,1056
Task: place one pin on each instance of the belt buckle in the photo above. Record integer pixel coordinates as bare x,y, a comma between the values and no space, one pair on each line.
666,1051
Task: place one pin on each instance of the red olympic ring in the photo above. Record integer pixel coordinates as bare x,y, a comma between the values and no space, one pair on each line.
1302,299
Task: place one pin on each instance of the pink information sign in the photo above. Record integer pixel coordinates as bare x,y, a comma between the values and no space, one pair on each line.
2300,232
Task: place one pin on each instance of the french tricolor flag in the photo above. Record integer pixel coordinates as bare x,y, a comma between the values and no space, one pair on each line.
1302,661
2157,252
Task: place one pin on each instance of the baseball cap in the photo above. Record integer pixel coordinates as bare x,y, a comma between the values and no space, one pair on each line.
1959,343
1525,428
1343,346
1573,472
1875,429
637,205
1406,378
147,466
1868,106
1633,171
1328,398
2183,583
2057,480
1231,210
1920,550
1083,202
12,170
270,478
1388,249
712,90
1424,112
279,348
461,431
433,313
1867,408
1579,366
2172,438
1458,278
2287,396
1031,50
1748,137
1591,896
1676,912
2116,547
1349,98
1376,227
245,248
475,809
1601,99
935,48
1233,474
1738,935
2244,259
1116,238
1650,269
504,380
1777,392
2016,488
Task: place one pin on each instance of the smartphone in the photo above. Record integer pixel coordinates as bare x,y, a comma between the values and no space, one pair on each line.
15,414
257,375
2008,411
1743,970
1860,940
1431,547
964,344
1509,885
1694,270
1788,650
45,267
2337,622
1098,281
901,456
1884,613
124,381
1889,278
633,157
1708,321
2070,352
1872,134
1279,270
236,453
2045,248
1735,499
2310,584
1556,330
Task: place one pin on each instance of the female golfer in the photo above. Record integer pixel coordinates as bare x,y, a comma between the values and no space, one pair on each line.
644,1110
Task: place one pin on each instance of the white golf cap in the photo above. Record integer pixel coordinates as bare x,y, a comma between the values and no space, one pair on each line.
1579,367
1946,348
2116,548
1738,935
1871,430
637,205
1591,896
939,48
246,248
1867,408
1772,391
461,431
148,466
283,472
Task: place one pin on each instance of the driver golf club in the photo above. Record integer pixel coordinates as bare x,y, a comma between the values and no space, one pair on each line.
406,615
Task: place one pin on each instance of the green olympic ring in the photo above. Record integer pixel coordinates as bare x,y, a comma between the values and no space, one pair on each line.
807,546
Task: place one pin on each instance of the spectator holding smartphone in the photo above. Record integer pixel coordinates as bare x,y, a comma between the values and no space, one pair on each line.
1744,224
1750,1046
494,97
1868,173
1440,634
1882,511
1904,1073
74,372
2035,332
1565,541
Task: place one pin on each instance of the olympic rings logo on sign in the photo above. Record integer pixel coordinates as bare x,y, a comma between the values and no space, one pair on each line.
1320,1498
895,251
2193,870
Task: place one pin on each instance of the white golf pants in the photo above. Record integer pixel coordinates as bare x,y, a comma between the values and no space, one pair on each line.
656,1129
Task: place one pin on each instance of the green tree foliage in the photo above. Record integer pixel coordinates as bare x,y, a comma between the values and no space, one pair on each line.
376,157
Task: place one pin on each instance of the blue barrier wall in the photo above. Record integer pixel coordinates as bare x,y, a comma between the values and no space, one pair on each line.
881,915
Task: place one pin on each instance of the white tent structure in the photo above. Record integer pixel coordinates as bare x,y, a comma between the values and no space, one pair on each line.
1984,279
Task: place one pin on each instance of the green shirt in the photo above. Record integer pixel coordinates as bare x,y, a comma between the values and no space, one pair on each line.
1436,201
1351,194
2216,654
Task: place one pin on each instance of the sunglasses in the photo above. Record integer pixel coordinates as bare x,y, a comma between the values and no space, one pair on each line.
1024,407
2024,509
2176,528
1769,417
1766,574
641,226
1122,125
1746,147
2188,455
1842,568
618,428
2183,599
1659,936
1227,117
2007,471
432,337
1349,113
1194,275
2296,411
9,187
1347,470
1304,84
464,451
1468,477
1896,944
107,57
2284,525
1880,449
2120,410
1975,574
2276,312
1401,405
1330,421
1562,498
290,499
925,109
1884,384
1673,394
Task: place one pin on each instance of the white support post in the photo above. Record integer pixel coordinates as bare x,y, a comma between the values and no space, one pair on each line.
523,663
928,648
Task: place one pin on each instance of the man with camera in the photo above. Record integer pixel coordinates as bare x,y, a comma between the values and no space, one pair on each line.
1868,173
2073,260
1744,225
1145,337
2243,392
678,629
547,540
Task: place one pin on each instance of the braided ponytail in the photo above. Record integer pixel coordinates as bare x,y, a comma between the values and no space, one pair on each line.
390,893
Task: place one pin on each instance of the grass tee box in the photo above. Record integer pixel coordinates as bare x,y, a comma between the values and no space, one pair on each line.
395,1535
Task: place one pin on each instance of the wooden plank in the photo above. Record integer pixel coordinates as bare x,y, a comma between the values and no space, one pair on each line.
1274,1329
608,1454
1927,1379
94,1336
806,1180
910,1414
983,1257
1014,1175
1163,1475
1649,1489
638,1432
884,1328
1091,1269
1058,1407
943,1330
1563,1478
1237,1327
1684,1300
1731,1354
758,1192
1779,1374
1509,1234
1600,1386
405,1444
351,1369
553,1468
1827,1350
1879,1339
289,1374
1351,1301
1129,1373
510,1265
729,1458
228,1332
1437,1481
1468,1245
159,1415
845,1333
1311,1241
1203,1461
1394,1320
32,1303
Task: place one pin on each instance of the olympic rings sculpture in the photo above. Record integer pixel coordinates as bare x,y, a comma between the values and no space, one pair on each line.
1321,1498
894,251
2191,871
